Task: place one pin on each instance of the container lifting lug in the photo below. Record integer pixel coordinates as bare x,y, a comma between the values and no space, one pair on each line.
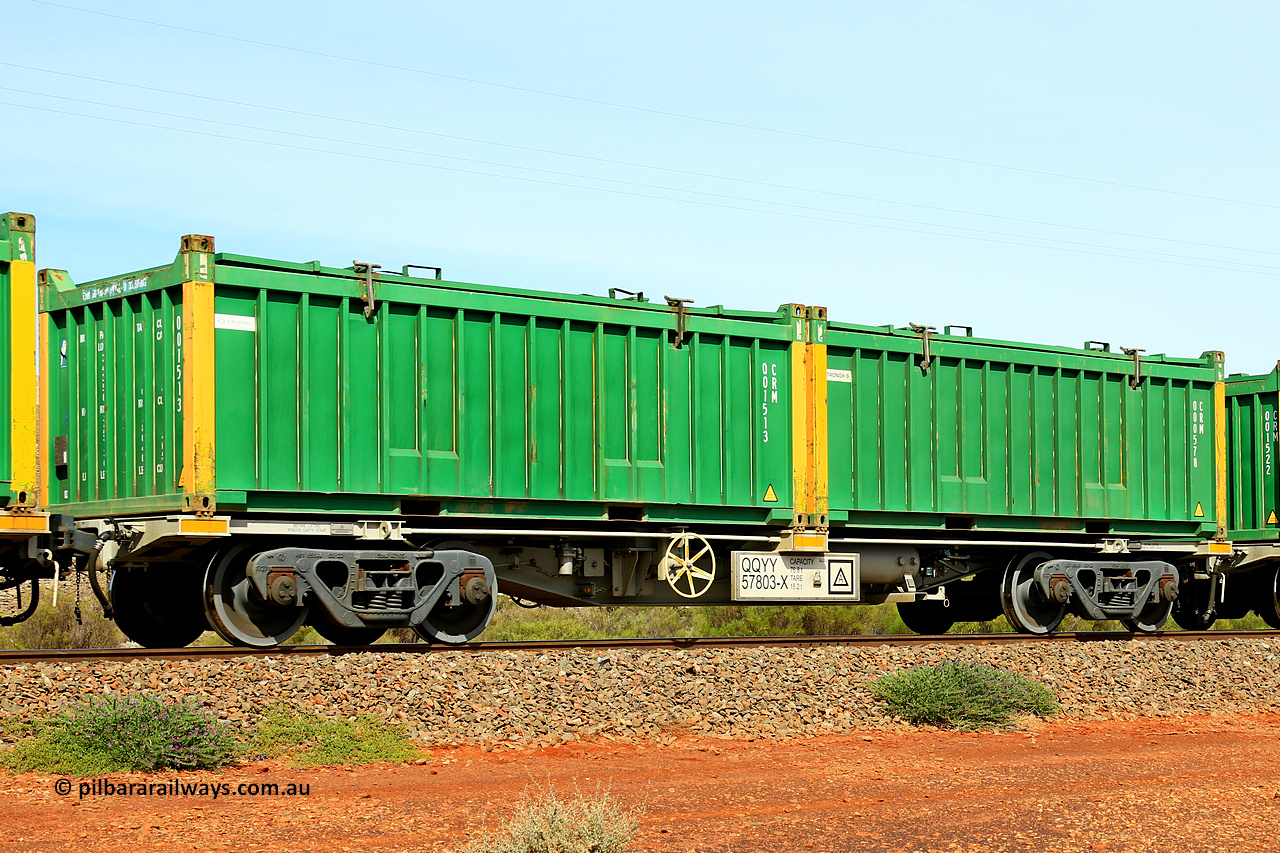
926,357
439,271
679,306
367,292
636,295
1135,379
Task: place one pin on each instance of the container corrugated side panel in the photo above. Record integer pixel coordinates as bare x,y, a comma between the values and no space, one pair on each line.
1012,436
494,398
115,392
1254,487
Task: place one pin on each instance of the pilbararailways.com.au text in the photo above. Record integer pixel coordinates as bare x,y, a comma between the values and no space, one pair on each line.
180,788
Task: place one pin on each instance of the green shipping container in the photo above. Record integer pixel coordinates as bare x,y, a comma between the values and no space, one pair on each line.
965,433
230,383
1253,488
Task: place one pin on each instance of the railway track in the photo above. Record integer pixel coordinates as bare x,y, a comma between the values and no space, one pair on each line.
222,652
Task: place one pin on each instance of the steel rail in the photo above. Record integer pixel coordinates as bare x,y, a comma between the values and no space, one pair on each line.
674,643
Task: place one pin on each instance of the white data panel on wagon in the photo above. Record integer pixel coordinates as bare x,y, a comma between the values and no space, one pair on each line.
770,576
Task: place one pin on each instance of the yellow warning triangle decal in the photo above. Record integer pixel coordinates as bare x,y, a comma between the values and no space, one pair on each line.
770,496
1199,511
1271,519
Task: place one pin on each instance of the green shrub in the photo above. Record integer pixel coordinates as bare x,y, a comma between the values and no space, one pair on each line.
56,627
514,623
402,635
547,824
114,735
962,695
797,620
310,741
306,636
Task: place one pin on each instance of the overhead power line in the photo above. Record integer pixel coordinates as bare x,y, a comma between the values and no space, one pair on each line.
610,161
650,110
617,181
714,204
638,184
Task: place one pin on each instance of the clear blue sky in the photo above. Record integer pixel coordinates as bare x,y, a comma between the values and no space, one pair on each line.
1140,137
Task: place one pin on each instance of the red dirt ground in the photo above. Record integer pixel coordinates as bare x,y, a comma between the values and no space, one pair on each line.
1165,786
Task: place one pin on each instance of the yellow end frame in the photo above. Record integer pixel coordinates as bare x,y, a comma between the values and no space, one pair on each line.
24,401
1220,457
809,418
801,499
198,398
820,488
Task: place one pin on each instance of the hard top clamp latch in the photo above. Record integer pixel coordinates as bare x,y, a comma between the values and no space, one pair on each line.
926,357
1135,378
367,292
678,305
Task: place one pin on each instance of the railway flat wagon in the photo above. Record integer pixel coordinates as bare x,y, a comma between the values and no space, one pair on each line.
1004,459
258,445
264,443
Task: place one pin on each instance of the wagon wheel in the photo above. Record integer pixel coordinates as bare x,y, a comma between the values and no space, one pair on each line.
22,609
689,576
1194,608
926,617
463,621
1269,597
158,606
344,635
456,625
1150,618
237,612
1025,605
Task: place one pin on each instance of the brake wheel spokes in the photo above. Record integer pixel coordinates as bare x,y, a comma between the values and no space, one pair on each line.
689,577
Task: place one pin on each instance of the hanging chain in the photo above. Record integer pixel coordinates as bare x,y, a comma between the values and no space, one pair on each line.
75,566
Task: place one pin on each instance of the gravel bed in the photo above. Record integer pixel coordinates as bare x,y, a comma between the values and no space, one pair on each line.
541,698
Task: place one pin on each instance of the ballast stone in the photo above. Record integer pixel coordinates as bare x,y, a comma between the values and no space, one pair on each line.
525,699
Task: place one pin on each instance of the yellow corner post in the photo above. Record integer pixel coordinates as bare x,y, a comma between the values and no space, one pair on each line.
809,418
819,484
198,400
24,412
800,434
42,434
1220,456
